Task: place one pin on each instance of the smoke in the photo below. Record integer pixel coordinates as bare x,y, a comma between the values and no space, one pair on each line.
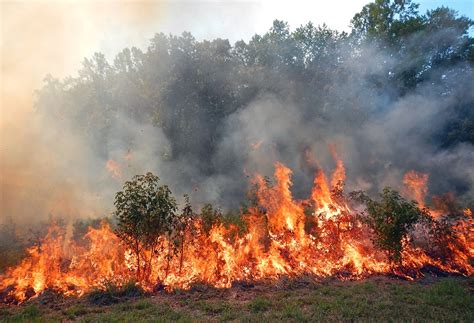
44,170
376,151
59,168
379,136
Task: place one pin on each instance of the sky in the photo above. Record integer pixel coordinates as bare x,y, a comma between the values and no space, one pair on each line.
465,7
61,33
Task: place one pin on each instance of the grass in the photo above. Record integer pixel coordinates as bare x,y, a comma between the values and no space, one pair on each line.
377,299
114,294
259,304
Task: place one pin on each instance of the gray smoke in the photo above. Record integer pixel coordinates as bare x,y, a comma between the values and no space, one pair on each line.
378,134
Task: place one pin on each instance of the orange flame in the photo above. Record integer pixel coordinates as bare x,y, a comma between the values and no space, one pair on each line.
417,186
278,241
114,169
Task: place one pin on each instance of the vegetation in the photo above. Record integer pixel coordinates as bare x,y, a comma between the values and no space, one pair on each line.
114,294
377,299
184,225
12,247
210,217
189,88
144,212
391,218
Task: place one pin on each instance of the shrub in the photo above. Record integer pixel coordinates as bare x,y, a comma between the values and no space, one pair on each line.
113,293
210,217
144,212
390,218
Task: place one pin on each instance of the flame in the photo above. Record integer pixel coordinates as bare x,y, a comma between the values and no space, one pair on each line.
256,145
339,175
114,169
278,242
417,186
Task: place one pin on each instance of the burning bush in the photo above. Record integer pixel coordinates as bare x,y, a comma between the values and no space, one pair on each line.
145,213
391,218
321,236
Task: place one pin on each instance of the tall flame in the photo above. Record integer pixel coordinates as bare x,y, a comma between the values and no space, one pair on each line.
417,184
279,240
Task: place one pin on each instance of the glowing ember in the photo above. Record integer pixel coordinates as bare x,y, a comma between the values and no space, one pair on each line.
278,241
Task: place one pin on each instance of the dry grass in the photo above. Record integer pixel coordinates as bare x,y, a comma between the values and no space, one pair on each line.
376,299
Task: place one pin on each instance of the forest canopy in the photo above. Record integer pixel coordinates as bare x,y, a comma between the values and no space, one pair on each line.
193,111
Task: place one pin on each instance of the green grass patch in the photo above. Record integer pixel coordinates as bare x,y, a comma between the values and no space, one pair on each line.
293,311
372,300
75,311
259,304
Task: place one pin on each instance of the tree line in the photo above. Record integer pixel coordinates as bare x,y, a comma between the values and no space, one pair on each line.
188,88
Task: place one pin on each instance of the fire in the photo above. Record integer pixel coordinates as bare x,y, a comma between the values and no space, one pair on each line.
114,169
417,186
321,236
256,145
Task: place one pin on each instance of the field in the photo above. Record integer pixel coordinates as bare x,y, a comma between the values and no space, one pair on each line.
376,299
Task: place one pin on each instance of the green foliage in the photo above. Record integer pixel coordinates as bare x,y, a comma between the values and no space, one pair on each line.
144,212
80,227
210,217
184,220
441,38
189,88
381,18
235,219
183,227
12,247
390,218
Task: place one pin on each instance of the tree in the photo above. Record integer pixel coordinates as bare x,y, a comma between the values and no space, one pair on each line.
11,245
144,212
210,217
194,90
381,18
183,226
391,218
